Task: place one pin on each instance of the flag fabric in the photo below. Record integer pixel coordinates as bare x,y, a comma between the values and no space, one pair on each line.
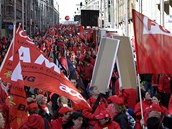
38,71
61,65
153,46
17,105
17,96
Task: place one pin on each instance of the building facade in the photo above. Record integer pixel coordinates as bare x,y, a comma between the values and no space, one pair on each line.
38,14
118,13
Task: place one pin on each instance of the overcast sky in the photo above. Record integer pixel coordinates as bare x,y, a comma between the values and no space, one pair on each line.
68,7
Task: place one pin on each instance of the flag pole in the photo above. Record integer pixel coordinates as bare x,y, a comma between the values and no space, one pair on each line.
126,17
140,97
23,14
14,13
140,6
162,12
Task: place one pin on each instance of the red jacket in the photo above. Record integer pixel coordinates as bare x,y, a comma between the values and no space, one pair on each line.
129,96
137,111
146,112
57,123
111,125
35,121
164,84
155,79
88,114
87,72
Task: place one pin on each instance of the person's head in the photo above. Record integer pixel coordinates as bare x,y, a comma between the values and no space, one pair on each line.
72,56
104,117
65,113
156,99
77,119
116,104
87,60
74,81
2,121
145,95
41,99
33,108
62,101
94,91
153,123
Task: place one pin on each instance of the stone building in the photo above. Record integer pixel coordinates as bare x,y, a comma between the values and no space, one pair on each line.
38,14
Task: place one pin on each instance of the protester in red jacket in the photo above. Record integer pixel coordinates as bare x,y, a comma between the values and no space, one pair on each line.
35,121
146,102
105,121
87,71
102,104
76,121
156,99
164,88
119,113
64,113
155,109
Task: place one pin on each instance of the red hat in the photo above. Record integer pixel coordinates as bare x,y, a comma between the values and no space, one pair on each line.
32,106
35,121
64,110
155,107
103,114
116,100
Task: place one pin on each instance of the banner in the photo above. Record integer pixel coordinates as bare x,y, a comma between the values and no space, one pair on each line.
38,71
17,97
125,63
17,105
104,65
153,46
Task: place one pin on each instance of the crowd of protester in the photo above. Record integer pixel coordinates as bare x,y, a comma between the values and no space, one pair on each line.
76,53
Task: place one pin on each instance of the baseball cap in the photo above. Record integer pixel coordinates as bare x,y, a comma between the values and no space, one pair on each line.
116,100
64,110
103,114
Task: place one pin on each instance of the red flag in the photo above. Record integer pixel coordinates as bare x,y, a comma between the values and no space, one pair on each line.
153,46
17,105
17,99
40,72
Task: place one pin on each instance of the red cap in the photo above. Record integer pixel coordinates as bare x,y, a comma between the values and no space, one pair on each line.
32,106
155,107
103,114
64,110
116,100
